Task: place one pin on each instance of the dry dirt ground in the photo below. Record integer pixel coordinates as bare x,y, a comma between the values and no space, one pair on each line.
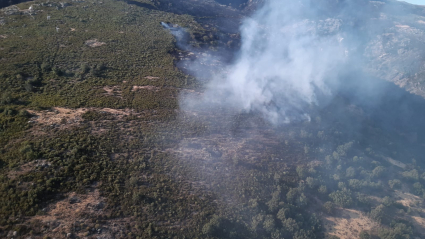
26,168
145,87
65,118
94,43
69,217
417,211
348,224
113,91
395,162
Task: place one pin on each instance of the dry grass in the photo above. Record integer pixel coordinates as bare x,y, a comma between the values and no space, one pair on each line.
152,78
57,115
65,118
94,43
71,215
395,162
113,91
145,87
25,168
407,199
348,224
415,203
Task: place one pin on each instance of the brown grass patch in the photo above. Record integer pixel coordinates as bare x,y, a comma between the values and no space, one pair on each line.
407,199
94,43
152,77
65,118
145,87
348,224
73,215
113,91
395,162
74,206
58,116
25,168
415,203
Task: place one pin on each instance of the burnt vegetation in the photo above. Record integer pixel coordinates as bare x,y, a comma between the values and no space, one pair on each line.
171,174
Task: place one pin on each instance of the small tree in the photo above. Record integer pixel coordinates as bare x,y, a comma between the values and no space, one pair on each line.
364,235
342,198
322,189
378,171
350,172
213,227
301,171
328,208
311,182
269,223
378,213
394,184
412,175
45,67
283,214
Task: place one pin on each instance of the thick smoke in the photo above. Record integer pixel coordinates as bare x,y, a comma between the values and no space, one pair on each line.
287,58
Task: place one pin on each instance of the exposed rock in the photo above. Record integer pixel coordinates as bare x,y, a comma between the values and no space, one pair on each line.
12,10
99,206
94,43
73,200
64,4
12,234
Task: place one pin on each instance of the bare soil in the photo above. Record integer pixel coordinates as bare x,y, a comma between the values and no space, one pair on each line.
113,91
145,87
348,224
70,216
417,211
94,43
25,168
66,118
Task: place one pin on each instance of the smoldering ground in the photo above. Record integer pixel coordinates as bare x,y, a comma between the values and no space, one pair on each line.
287,57
295,56
299,91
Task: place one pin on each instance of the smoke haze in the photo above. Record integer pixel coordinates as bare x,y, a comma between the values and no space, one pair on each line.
285,61
313,62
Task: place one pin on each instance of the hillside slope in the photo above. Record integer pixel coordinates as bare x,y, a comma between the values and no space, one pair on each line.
95,144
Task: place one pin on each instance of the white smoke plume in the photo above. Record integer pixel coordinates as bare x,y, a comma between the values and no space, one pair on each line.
285,60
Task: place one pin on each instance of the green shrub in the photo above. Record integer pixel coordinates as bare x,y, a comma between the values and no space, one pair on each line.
364,235
269,223
342,198
328,208
378,213
394,184
378,171
412,175
214,227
